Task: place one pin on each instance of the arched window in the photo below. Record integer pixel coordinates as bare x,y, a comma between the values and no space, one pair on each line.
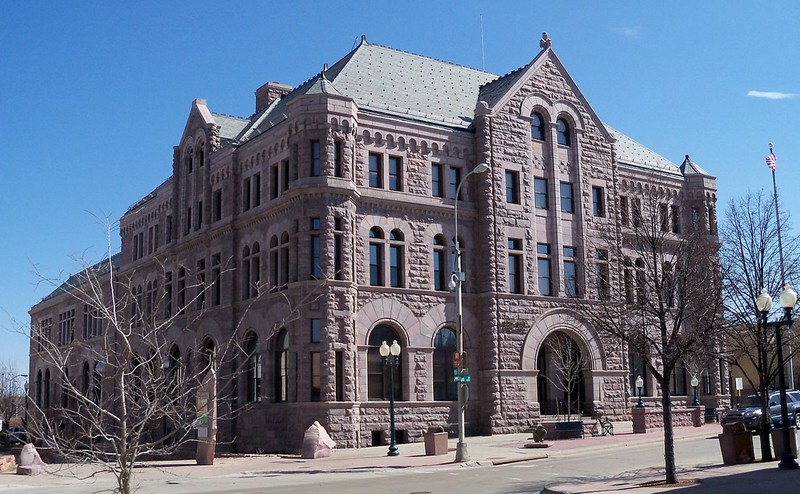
251,271
39,389
564,137
174,367
207,356
274,255
87,379
282,366
396,252
376,257
537,126
246,272
444,346
283,276
189,160
46,392
201,155
377,373
97,385
253,370
439,264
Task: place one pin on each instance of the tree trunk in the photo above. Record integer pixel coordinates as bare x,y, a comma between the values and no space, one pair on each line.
669,436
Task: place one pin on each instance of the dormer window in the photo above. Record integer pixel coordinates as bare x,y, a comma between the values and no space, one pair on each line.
537,126
564,137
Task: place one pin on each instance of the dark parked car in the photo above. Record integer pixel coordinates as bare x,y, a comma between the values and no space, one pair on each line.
17,435
749,410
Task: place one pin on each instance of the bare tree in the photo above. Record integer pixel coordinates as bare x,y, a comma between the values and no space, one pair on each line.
12,393
125,392
750,261
568,363
670,307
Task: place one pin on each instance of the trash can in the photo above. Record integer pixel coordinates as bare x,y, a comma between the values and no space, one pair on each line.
736,444
777,441
435,441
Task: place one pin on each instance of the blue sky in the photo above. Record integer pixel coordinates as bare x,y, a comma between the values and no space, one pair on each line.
94,95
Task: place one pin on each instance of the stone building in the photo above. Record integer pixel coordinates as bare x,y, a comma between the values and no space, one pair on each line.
322,225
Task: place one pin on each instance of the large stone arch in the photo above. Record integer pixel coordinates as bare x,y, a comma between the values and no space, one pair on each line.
568,322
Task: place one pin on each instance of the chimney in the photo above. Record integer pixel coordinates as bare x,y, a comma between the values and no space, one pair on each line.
269,92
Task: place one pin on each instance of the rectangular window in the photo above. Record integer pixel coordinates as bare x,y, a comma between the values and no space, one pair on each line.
395,173
316,270
663,217
570,272
256,189
338,169
181,290
636,212
454,178
316,327
375,171
543,267
598,202
286,178
273,182
437,180
567,201
216,279
396,265
512,187
540,192
315,168
316,387
439,269
168,233
601,272
375,264
151,238
216,205
200,300
188,220
515,265
623,211
675,212
168,294
199,215
246,194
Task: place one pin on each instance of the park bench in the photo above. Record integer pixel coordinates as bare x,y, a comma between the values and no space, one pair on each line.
569,430
605,425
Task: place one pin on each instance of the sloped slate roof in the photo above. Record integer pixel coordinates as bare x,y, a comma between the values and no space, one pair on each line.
689,167
230,127
630,152
95,271
412,86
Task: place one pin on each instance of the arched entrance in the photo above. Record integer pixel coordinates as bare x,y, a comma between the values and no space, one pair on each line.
561,383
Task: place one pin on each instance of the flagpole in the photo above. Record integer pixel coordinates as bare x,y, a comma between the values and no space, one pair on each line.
780,253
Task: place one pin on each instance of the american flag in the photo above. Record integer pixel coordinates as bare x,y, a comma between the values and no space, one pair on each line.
771,159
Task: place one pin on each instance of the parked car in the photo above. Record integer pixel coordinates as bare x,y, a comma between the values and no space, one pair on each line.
748,410
17,435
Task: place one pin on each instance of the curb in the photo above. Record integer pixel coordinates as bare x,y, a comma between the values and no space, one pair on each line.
518,459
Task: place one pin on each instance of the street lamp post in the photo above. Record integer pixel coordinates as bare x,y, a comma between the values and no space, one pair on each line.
695,382
391,357
455,285
639,386
764,304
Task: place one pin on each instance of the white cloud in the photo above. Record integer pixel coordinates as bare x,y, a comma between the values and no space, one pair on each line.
630,32
771,95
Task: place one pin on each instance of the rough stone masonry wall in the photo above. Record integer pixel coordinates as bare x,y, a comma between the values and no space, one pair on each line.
508,136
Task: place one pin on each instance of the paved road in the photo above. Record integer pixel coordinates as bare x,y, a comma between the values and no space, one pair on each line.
578,463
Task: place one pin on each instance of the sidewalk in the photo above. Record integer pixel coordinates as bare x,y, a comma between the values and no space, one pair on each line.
483,451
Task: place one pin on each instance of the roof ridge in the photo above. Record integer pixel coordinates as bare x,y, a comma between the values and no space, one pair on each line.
433,58
230,116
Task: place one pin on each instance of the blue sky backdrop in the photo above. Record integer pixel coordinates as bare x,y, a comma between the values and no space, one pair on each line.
94,95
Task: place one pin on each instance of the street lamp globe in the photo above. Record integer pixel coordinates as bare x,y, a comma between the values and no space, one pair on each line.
764,301
480,168
394,349
384,349
788,297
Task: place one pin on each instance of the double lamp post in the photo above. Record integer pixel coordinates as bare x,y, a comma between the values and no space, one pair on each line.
788,300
